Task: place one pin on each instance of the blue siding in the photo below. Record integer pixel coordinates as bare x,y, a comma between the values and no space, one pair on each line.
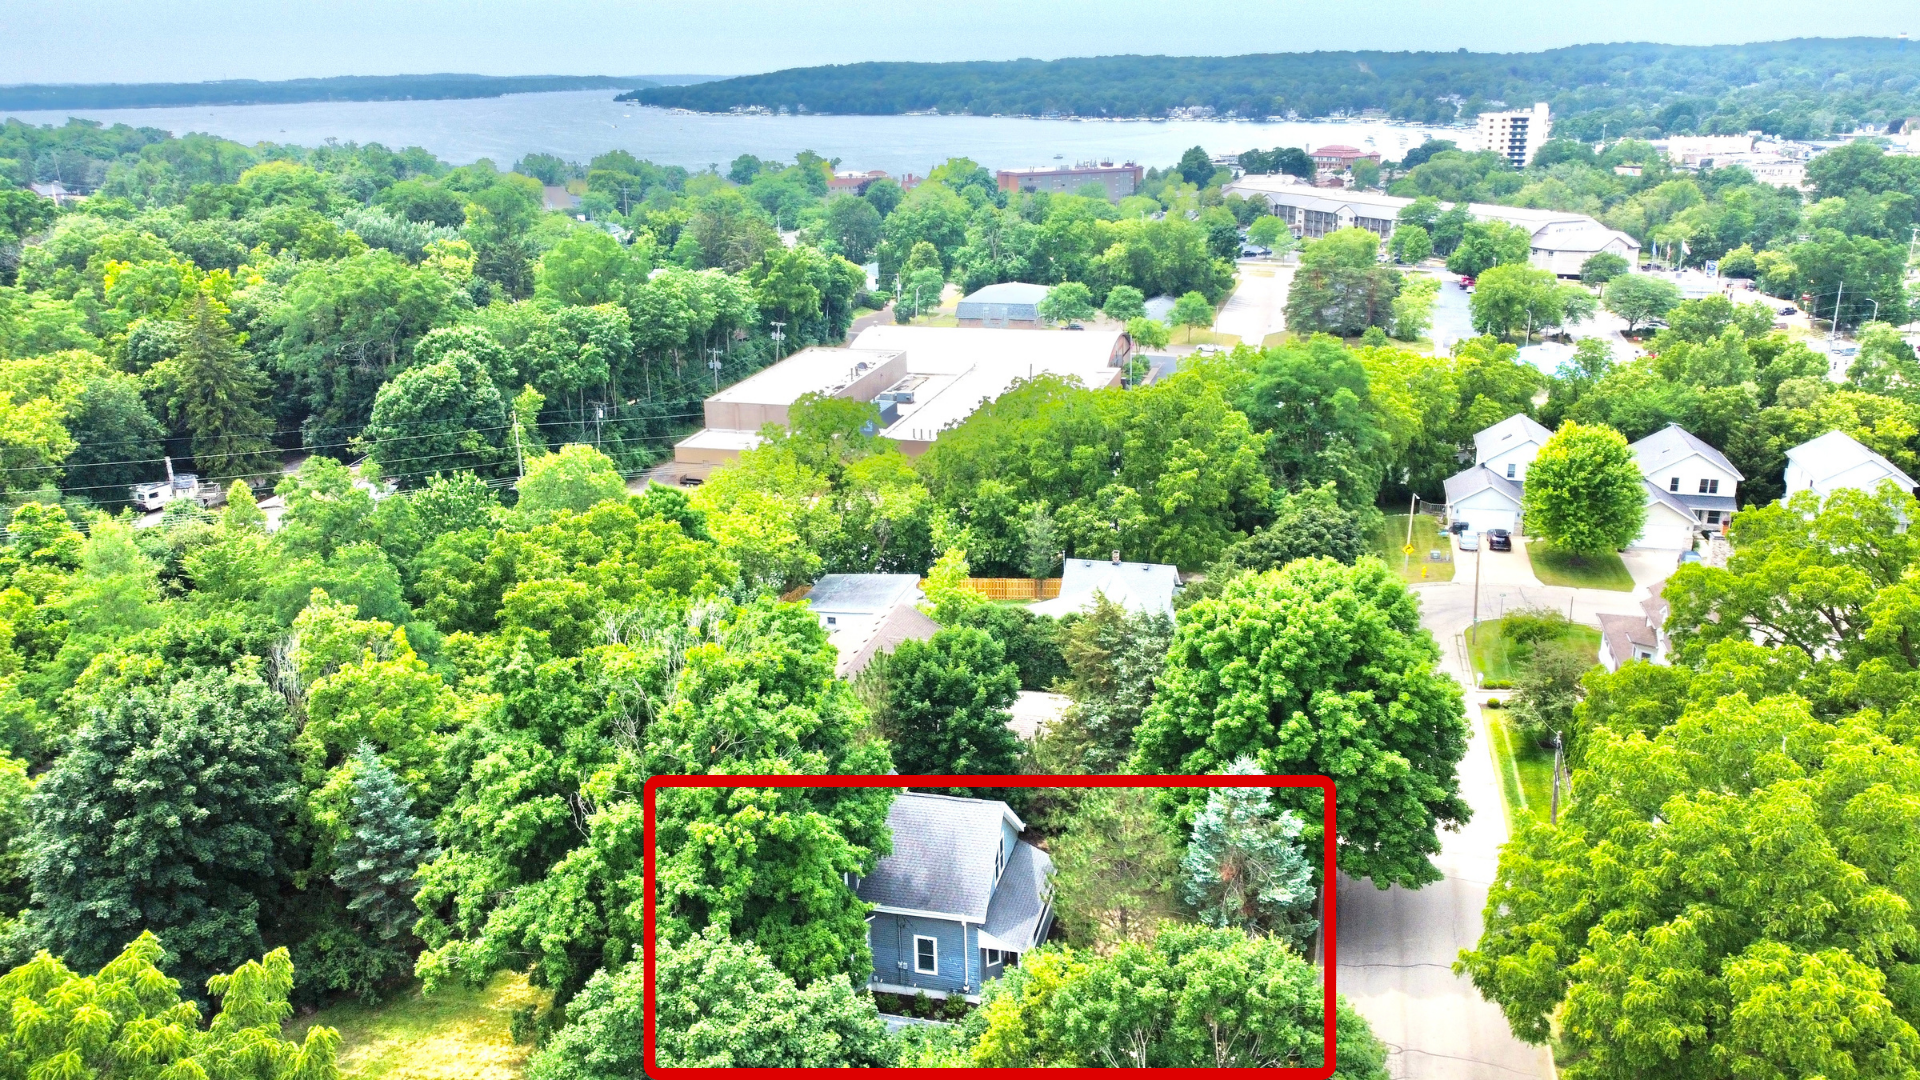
892,939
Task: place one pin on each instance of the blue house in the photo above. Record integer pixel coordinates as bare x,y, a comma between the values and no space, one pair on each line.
958,901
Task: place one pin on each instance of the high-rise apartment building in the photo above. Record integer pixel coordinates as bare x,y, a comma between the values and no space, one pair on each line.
1516,135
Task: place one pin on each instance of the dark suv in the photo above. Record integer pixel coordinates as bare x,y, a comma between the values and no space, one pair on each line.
1499,540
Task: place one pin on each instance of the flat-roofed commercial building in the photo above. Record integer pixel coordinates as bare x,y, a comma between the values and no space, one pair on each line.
1119,180
924,379
1561,240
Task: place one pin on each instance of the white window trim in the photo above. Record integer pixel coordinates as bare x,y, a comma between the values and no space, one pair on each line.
993,957
917,969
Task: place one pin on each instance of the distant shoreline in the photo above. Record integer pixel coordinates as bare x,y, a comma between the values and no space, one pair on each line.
42,97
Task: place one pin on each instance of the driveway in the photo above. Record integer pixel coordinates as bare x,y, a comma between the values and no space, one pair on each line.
1258,306
1452,317
1397,947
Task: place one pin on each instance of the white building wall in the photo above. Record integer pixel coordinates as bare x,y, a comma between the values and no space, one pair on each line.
1519,457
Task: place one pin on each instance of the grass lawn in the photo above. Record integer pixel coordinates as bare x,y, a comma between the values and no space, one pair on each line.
1498,659
1183,335
1555,567
457,1034
1526,770
1390,539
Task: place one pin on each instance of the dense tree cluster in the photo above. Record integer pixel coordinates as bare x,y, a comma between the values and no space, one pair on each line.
1740,830
1799,89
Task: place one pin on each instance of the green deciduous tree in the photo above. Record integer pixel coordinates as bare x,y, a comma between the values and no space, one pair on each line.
1067,302
1125,303
1190,311
1410,244
443,417
1604,266
129,1020
1486,244
1640,298
589,267
1775,953
1320,668
1149,333
942,704
573,478
1584,492
720,1004
1196,997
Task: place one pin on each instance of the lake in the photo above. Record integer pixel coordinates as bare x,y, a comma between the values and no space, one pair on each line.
579,124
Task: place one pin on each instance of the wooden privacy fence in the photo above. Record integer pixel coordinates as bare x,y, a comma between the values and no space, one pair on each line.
1012,588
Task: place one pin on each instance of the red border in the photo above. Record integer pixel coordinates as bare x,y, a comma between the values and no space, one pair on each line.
1329,904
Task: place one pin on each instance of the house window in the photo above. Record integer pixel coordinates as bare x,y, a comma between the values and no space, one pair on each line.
1709,487
1713,517
1642,654
1510,469
926,955
1673,484
831,621
993,957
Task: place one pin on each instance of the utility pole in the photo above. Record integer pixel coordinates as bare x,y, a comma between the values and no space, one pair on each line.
1559,744
1412,502
779,335
1833,326
714,363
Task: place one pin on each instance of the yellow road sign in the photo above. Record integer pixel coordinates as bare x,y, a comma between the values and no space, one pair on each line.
1408,549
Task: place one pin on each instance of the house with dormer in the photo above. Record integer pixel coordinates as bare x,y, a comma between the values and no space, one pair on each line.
1697,476
1486,496
960,899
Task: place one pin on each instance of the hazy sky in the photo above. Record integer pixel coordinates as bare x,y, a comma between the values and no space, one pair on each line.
162,40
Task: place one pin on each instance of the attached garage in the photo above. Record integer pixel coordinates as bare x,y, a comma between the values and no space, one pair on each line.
1670,525
1484,500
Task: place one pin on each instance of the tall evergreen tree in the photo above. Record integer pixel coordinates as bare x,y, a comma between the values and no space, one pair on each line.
379,860
216,395
1244,867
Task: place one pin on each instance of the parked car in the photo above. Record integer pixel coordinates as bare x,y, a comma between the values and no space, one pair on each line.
1788,310
1499,540
1467,541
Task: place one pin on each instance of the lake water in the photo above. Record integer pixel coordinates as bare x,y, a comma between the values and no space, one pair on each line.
577,125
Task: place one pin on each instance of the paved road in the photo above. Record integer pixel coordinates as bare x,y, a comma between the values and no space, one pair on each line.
1397,947
1258,306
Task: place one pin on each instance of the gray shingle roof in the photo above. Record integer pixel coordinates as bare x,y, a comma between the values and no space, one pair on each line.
1514,430
1662,495
1675,443
1472,481
865,594
1013,918
943,855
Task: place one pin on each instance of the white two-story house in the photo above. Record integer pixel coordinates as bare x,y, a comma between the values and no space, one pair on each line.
1837,461
1694,487
1487,495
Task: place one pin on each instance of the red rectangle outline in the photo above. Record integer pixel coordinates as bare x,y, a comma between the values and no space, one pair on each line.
1328,915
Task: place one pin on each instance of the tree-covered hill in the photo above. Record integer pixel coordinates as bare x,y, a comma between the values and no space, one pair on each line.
1797,88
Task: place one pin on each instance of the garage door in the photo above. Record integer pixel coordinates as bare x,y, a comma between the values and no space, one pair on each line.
1672,537
1486,520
